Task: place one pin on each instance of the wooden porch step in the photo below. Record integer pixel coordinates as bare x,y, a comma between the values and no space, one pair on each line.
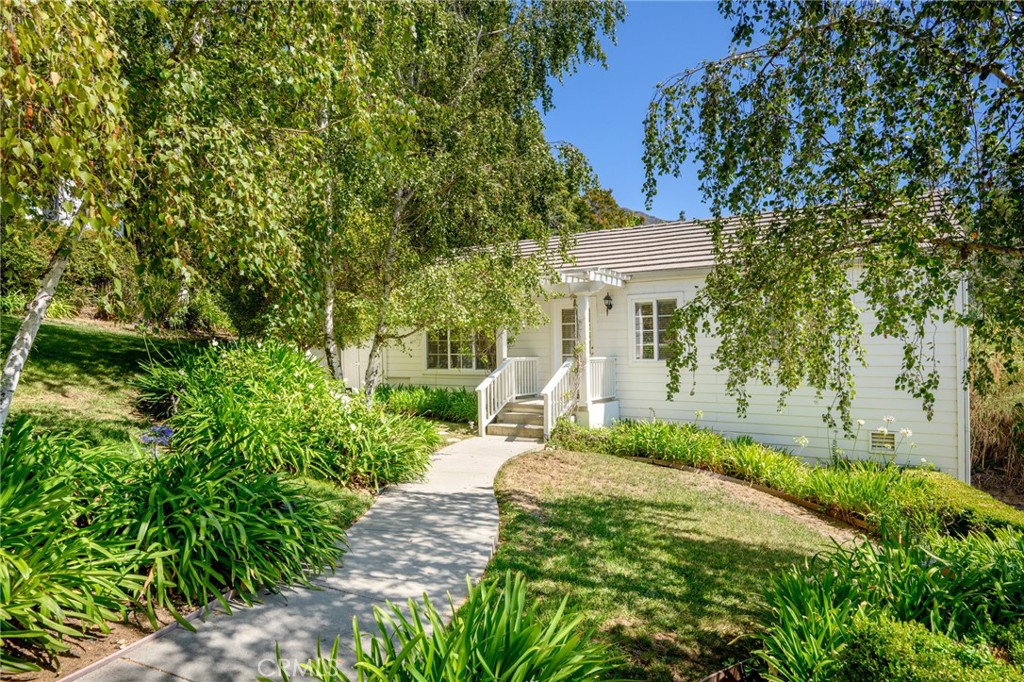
518,430
535,405
513,415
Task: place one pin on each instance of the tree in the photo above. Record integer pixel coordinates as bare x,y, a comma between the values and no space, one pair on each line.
465,167
882,136
600,211
64,152
183,127
226,101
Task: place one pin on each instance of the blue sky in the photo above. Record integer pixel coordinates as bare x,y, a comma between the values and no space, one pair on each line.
602,111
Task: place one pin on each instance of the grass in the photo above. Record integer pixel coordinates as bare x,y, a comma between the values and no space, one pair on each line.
345,504
78,378
668,566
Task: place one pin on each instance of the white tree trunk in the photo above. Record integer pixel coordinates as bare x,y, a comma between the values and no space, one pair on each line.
35,311
373,368
331,351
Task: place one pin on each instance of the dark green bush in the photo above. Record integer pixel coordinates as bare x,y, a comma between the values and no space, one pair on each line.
1010,638
224,525
88,280
885,650
962,508
57,576
969,588
495,635
202,313
279,411
434,402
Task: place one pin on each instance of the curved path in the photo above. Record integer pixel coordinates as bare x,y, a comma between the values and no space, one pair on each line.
418,538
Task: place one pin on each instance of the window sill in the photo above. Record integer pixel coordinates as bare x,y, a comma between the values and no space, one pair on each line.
482,372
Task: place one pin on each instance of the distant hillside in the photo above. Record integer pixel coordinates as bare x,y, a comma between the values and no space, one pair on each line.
647,218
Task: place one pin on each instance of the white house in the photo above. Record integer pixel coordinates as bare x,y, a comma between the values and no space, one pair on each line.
626,283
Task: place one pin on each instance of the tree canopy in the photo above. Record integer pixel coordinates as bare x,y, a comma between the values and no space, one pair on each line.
291,155
878,136
600,211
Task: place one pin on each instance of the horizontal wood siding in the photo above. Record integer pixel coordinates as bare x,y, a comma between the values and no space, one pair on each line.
641,385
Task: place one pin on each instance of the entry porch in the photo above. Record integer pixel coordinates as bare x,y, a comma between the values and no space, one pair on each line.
516,400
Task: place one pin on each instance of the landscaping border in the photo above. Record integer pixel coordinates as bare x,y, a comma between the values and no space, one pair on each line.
848,519
110,658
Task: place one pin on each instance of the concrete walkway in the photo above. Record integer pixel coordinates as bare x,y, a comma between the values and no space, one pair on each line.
418,538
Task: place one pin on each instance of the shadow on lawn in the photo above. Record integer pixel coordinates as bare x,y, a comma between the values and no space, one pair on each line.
667,586
105,360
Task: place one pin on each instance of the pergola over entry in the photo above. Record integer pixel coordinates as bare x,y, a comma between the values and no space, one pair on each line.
585,281
580,285
516,378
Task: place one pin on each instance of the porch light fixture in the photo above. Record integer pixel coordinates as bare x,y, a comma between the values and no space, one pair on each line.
607,303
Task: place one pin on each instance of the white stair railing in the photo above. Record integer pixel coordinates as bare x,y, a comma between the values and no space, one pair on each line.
602,378
512,378
559,396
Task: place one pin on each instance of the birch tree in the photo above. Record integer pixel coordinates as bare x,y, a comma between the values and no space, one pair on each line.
469,166
64,152
886,135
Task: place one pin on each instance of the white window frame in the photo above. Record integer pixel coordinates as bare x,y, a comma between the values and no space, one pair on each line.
634,347
448,333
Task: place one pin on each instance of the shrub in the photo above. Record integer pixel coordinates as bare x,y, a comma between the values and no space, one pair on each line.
962,508
53,571
967,588
14,304
435,402
568,435
884,495
222,525
885,650
278,410
201,313
494,635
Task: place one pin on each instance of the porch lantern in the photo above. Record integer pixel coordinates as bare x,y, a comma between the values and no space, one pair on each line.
607,303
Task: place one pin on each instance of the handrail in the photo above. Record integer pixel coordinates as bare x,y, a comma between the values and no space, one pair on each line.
558,396
512,378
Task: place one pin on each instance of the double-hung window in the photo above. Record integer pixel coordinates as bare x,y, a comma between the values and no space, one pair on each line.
449,349
650,328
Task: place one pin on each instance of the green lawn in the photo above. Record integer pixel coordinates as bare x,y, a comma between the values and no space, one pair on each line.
78,377
668,566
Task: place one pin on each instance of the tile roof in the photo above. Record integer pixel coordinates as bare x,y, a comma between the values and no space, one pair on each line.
645,248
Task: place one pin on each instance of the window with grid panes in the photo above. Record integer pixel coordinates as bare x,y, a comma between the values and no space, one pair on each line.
650,327
448,349
568,333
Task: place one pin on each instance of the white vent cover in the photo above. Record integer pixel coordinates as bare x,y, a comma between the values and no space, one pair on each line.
883,442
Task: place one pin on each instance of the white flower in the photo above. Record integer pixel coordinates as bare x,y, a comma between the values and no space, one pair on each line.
882,430
888,420
699,414
924,461
353,426
860,422
310,386
214,343
906,433
801,441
